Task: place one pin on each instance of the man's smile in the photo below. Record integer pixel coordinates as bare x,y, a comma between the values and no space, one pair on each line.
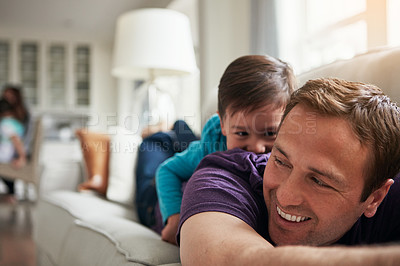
291,218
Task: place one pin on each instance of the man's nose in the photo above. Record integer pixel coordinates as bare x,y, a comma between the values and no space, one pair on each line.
289,192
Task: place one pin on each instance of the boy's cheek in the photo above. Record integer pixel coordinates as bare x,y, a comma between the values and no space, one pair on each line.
223,130
233,142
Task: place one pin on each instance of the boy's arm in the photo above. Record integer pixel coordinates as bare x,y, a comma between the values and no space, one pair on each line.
171,174
215,238
20,150
169,178
179,168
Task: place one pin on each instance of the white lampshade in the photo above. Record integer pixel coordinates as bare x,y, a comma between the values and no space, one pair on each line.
153,42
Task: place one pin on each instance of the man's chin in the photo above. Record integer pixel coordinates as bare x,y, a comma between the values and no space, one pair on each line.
290,240
293,240
286,242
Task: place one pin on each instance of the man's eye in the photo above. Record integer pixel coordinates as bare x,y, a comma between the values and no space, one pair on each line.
270,133
280,162
319,182
242,133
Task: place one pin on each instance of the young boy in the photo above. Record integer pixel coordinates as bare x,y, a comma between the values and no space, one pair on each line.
252,95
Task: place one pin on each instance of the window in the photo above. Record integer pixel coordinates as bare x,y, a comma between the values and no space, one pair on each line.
55,76
316,32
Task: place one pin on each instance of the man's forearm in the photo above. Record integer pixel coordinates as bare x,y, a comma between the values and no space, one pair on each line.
302,255
205,242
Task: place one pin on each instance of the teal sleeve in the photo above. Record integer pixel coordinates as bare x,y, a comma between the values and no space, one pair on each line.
170,175
179,168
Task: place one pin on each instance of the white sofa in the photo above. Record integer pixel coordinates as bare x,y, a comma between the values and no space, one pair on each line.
75,228
380,67
81,229
84,228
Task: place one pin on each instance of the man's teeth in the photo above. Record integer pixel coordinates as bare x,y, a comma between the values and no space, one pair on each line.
292,218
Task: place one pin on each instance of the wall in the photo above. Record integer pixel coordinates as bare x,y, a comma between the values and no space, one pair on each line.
103,91
189,108
224,36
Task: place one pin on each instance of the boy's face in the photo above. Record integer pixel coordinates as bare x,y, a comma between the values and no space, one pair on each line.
254,131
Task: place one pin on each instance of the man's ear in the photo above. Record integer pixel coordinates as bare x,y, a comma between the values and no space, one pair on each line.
221,121
376,198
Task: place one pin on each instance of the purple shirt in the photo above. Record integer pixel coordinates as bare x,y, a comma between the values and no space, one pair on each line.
231,182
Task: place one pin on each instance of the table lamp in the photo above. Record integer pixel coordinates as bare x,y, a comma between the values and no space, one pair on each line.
150,43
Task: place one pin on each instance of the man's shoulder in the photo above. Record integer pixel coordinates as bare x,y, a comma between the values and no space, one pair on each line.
228,182
237,161
239,155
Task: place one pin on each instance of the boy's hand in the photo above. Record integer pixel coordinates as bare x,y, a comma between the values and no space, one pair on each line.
171,228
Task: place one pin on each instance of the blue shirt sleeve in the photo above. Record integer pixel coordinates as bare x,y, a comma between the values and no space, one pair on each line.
173,172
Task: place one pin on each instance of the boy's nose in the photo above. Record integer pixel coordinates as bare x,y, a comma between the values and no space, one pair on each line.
261,146
257,147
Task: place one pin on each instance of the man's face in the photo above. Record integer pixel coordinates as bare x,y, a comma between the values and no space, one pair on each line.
254,131
314,179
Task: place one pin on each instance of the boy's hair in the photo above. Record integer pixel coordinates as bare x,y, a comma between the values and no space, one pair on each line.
5,106
253,81
374,119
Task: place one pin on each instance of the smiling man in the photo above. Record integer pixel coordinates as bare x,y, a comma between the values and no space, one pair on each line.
328,181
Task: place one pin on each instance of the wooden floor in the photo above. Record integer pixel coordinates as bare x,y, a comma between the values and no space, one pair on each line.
16,244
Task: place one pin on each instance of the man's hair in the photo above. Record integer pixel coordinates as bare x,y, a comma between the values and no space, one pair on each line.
253,81
374,119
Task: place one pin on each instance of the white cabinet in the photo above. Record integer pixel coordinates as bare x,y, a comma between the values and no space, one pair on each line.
28,71
55,76
4,61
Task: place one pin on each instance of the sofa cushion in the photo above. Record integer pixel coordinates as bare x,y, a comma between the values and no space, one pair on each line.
74,228
134,241
123,157
83,204
379,67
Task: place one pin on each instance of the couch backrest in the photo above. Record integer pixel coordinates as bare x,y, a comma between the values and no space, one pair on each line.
380,67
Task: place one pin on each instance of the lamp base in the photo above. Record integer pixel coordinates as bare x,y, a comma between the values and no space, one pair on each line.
151,114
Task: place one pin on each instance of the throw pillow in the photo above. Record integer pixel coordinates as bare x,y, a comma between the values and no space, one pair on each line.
123,157
96,153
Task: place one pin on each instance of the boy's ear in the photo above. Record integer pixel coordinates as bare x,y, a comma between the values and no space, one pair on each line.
376,198
221,122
